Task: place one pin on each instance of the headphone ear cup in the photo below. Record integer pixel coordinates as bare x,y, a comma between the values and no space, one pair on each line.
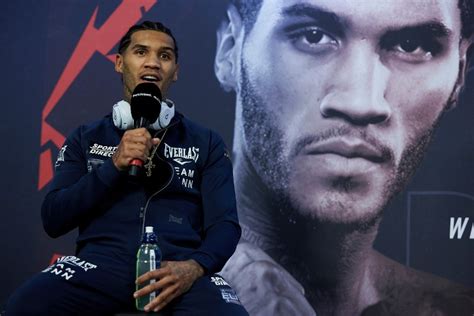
166,114
122,115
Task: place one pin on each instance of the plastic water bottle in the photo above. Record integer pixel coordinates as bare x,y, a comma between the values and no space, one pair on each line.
148,259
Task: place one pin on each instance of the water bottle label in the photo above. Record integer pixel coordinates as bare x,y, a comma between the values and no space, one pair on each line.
152,260
152,267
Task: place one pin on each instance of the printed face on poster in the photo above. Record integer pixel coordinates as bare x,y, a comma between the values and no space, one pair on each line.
350,123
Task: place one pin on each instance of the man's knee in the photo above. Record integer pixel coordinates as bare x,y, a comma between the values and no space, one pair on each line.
211,295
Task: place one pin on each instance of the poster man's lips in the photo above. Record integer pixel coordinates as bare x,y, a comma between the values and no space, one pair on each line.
346,147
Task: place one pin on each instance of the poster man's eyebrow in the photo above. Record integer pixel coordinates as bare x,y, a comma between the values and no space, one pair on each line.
427,35
432,29
324,17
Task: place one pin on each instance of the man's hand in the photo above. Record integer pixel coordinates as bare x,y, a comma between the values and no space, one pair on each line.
135,144
172,279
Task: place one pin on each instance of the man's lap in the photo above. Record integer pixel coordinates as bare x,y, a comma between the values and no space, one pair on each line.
52,294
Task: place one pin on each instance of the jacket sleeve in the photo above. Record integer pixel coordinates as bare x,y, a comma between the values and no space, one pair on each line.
74,192
221,226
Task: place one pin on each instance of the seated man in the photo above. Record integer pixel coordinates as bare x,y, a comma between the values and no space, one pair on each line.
186,193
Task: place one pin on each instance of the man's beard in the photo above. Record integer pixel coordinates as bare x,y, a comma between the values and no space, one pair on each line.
265,147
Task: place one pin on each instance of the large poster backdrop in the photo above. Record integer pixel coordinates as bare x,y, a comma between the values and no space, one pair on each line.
58,73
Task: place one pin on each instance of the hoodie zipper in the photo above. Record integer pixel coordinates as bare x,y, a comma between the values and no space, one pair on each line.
144,209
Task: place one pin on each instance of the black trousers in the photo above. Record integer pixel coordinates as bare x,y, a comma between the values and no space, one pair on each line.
50,294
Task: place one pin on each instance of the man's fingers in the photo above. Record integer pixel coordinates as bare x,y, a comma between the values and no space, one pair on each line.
147,276
138,131
137,136
166,296
136,150
155,141
138,140
160,284
160,273
135,144
135,147
152,287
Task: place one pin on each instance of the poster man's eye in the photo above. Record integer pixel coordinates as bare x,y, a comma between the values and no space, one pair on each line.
312,40
412,48
409,46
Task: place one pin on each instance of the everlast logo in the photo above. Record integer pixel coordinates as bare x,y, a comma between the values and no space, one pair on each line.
182,155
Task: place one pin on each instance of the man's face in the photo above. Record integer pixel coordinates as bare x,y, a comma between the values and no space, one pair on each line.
149,57
338,98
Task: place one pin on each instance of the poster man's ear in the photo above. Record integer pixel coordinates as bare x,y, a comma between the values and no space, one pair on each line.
227,52
466,49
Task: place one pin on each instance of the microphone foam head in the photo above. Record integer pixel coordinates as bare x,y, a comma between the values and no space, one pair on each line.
146,102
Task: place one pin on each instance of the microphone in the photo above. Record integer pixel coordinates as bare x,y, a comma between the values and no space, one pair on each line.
145,105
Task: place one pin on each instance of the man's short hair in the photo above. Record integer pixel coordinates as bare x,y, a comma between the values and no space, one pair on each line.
249,10
146,26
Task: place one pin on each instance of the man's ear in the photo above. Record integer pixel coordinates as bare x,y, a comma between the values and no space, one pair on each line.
465,49
118,63
175,76
228,44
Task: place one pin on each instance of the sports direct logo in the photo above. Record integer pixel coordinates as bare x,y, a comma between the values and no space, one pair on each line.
94,40
101,150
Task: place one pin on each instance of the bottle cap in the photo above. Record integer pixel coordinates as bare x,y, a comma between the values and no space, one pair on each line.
149,229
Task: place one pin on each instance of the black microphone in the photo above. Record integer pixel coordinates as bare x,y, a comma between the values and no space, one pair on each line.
145,105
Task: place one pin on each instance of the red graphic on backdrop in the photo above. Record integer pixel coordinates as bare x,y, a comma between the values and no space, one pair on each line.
55,257
93,40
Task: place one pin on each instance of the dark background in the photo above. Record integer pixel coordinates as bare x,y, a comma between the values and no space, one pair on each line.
38,39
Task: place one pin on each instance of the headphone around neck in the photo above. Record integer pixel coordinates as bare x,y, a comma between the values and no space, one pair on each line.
122,115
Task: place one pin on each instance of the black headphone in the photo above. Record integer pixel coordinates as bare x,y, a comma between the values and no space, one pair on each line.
122,115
